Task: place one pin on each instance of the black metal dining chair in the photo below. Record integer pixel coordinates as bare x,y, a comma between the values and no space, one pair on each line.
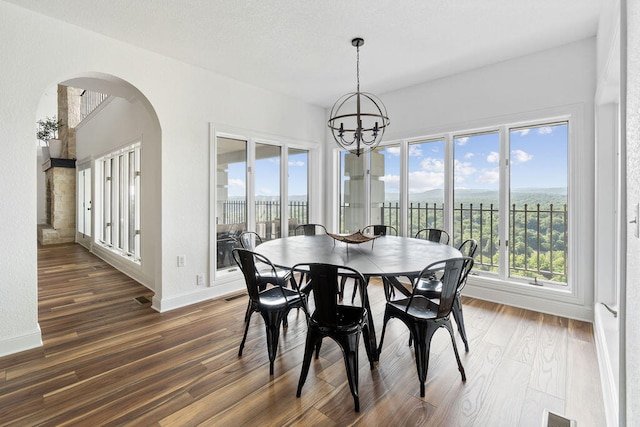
423,317
310,230
380,230
432,289
272,302
266,273
433,235
330,318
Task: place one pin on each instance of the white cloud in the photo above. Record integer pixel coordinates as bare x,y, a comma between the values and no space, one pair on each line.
431,164
395,150
519,156
415,150
469,155
488,176
462,170
296,163
425,180
523,132
265,191
545,130
463,140
493,157
236,183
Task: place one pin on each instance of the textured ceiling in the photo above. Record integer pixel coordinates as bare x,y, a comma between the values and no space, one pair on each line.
302,48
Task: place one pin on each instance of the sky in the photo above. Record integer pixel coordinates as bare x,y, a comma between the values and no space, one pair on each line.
267,176
538,159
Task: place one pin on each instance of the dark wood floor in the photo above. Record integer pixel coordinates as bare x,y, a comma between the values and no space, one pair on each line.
108,360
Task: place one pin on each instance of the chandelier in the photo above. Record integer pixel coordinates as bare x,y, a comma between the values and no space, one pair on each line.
360,130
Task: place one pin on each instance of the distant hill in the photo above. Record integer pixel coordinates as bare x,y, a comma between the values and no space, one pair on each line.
520,196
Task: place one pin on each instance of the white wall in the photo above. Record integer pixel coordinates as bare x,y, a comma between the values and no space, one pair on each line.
631,313
116,123
492,95
186,99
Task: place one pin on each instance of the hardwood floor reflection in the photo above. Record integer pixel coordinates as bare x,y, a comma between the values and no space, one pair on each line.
107,360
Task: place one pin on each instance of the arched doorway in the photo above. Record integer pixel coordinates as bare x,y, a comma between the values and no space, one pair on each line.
123,132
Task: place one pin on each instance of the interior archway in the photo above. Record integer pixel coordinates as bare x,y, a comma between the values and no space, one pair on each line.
125,118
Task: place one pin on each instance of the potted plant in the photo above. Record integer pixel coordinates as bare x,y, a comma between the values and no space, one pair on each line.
48,132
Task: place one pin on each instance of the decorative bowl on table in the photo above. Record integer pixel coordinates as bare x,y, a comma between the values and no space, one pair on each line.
355,238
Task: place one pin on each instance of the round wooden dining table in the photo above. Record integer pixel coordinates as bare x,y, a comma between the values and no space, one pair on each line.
382,256
385,256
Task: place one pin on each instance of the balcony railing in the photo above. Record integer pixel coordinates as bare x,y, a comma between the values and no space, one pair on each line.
537,234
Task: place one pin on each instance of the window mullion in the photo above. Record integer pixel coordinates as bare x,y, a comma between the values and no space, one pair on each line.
504,201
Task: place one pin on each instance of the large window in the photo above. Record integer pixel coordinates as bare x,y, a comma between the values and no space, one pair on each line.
505,186
257,188
268,210
231,196
298,185
476,197
118,201
385,186
425,189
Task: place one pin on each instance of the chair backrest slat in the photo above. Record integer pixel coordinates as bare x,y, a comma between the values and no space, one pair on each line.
433,235
454,269
325,283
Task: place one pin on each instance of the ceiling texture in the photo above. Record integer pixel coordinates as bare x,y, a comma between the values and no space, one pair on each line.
302,48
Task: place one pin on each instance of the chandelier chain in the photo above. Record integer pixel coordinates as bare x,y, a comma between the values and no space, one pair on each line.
358,67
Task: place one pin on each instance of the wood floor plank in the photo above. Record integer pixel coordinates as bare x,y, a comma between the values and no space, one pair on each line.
107,360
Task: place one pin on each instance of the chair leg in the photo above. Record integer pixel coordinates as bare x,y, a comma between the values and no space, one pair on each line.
272,320
349,344
449,328
387,316
422,334
459,318
246,329
310,344
367,344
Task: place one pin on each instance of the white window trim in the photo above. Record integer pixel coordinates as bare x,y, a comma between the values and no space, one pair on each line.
224,277
98,205
578,280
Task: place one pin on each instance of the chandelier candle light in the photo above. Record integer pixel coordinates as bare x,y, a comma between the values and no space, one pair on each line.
363,129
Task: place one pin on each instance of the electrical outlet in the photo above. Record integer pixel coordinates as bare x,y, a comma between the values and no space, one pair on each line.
200,279
182,260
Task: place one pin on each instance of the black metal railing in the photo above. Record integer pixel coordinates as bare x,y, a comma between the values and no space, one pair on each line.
267,211
538,235
89,101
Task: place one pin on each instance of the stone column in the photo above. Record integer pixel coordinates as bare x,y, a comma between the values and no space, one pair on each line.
69,104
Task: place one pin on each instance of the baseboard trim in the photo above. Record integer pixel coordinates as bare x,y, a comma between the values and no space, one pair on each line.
201,294
21,343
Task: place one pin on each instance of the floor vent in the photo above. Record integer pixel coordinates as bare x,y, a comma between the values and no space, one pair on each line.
550,419
142,300
232,297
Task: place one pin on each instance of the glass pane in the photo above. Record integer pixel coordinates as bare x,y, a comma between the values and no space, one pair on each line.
351,192
426,186
538,202
267,182
122,200
131,245
231,196
385,186
298,188
80,203
87,202
476,169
